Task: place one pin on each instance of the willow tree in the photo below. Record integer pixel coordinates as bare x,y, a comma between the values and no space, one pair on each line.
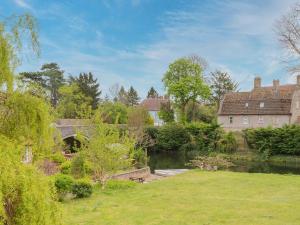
12,31
26,198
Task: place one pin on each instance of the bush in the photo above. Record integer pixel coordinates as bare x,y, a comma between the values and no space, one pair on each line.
63,184
58,158
120,184
82,189
78,169
65,168
273,141
171,137
228,143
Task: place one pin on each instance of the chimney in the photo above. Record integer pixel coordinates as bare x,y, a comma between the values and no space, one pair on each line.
257,82
298,80
275,84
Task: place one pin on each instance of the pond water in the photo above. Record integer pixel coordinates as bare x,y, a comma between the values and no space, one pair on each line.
178,160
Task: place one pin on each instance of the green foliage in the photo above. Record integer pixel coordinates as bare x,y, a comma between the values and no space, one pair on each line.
132,97
26,119
88,86
78,168
200,113
152,93
139,117
114,112
228,143
65,168
210,162
139,158
166,112
200,137
184,82
50,78
74,103
123,96
221,83
82,189
272,141
120,184
27,197
12,31
63,184
171,137
107,150
58,158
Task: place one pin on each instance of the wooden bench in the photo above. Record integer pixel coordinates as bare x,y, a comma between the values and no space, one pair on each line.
138,179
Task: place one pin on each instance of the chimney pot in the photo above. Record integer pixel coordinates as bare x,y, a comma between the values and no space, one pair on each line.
257,82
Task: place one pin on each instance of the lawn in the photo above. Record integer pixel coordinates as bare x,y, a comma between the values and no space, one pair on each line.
202,198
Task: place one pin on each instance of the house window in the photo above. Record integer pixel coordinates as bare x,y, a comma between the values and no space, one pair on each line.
246,104
230,119
260,120
262,104
245,120
297,105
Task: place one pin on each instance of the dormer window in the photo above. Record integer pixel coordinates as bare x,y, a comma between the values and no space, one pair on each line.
262,104
246,104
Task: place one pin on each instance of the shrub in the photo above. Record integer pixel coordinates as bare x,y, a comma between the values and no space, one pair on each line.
82,189
227,143
78,169
171,137
58,158
120,184
65,168
273,141
63,184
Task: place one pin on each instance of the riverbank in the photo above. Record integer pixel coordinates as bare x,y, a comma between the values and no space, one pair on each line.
210,197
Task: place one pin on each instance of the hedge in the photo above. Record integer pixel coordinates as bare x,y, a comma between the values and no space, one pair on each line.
274,141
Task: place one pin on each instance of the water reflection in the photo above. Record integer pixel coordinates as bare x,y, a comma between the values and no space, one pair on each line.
178,160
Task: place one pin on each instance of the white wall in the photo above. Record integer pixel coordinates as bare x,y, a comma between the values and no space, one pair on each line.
155,117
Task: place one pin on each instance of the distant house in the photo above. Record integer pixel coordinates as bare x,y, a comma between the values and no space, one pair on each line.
274,106
153,107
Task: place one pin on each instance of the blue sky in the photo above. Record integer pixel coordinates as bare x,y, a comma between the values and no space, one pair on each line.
131,42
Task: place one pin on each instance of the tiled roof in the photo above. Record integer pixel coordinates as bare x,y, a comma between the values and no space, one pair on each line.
153,104
276,101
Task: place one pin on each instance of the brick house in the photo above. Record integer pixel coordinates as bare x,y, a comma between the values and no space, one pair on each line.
274,106
153,107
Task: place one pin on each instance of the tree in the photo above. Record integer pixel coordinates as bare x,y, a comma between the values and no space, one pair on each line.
107,150
73,103
26,196
184,82
138,117
166,113
123,96
114,91
200,112
51,78
12,31
152,93
221,83
89,86
288,31
26,119
132,97
114,112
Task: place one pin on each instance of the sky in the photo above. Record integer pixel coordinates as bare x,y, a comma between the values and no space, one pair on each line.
132,42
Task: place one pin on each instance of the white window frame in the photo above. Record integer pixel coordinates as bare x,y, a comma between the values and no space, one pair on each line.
297,105
261,105
245,120
246,104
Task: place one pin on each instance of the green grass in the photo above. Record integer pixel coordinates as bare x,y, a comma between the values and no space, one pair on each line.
202,198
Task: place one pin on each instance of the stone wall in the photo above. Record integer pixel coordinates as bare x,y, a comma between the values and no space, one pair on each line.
144,172
240,122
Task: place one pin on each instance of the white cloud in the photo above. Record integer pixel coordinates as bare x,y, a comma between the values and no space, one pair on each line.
23,4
